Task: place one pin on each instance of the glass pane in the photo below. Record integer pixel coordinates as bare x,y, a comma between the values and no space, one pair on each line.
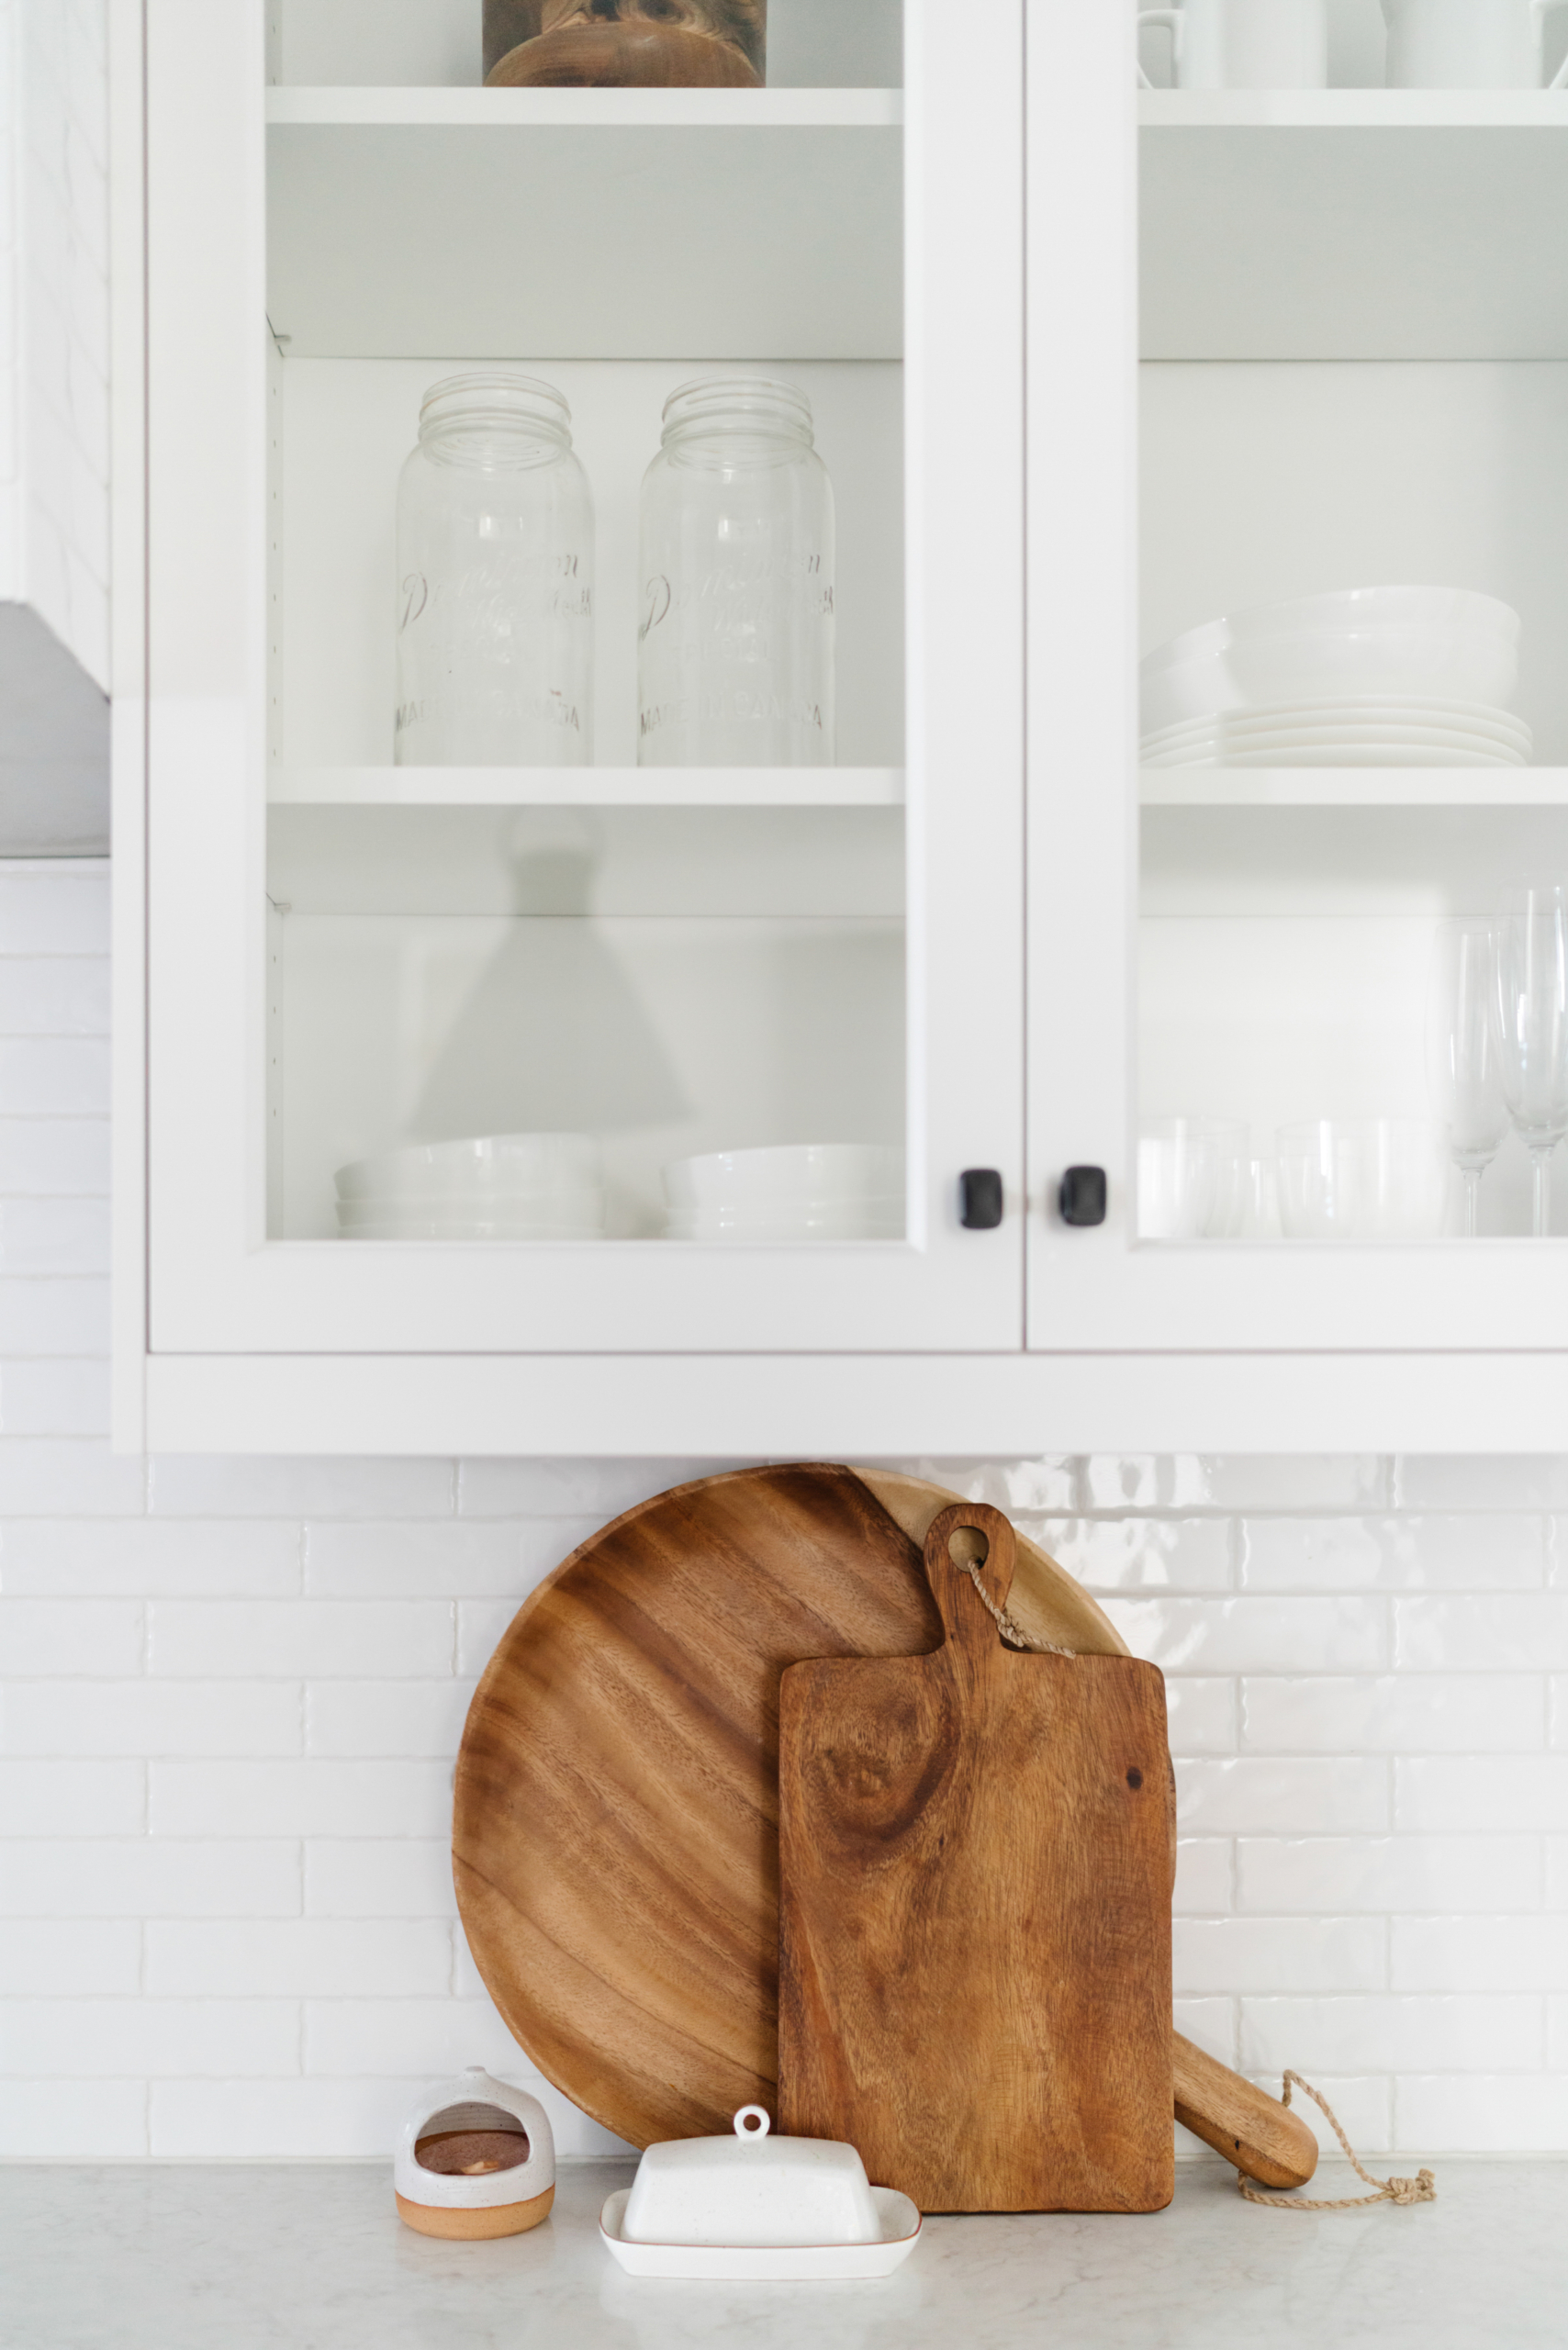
1353,1005
585,834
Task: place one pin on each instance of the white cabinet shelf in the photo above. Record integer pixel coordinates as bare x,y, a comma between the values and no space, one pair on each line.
1477,788
709,224
1354,224
332,787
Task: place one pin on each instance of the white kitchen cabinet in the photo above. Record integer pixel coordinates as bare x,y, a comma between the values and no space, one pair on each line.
965,936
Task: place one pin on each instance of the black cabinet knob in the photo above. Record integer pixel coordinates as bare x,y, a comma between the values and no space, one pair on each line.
1082,1195
980,1199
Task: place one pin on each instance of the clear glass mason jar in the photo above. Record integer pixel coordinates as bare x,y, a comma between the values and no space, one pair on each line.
735,658
495,581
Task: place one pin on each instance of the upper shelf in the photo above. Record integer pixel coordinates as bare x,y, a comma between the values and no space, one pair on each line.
1355,224
1473,787
591,224
321,786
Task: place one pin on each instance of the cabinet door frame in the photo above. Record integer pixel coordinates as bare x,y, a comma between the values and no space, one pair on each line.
1098,1290
215,1284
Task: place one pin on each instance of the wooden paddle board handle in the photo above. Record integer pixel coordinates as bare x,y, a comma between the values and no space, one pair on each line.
1245,2124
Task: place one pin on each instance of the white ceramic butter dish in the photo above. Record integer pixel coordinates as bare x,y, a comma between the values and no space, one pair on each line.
751,2205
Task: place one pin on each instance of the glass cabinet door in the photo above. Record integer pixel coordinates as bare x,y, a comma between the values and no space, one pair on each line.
1300,962
586,686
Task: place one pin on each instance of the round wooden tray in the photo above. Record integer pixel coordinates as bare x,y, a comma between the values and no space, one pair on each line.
615,1827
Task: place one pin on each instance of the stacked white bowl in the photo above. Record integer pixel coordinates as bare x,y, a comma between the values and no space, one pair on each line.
492,1187
1367,676
845,1191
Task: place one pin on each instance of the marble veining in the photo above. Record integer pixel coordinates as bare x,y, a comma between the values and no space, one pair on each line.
311,2256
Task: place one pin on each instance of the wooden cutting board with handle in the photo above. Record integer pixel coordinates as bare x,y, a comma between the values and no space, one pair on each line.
975,1910
614,1831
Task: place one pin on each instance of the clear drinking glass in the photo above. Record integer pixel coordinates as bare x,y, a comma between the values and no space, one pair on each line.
1361,1178
1464,1054
495,581
1533,1009
735,664
1192,1179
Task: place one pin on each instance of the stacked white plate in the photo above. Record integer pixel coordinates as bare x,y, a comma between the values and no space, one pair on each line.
492,1187
846,1191
1368,676
1369,733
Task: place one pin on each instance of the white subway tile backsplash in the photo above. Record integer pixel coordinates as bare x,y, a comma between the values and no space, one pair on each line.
310,1798
71,1798
53,1316
1047,1482
54,1235
1506,2113
67,1957
1493,1632
153,1717
406,1639
111,2039
146,1556
300,1957
480,1623
1205,1875
1140,1553
419,2039
1233,1956
1245,1795
1244,1634
194,2120
148,1877
470,1561
1410,2034
392,1718
1395,1713
1201,1717
403,1876
1480,1482
1529,1953
1305,1554
1210,2024
60,1476
82,2121
189,1485
1308,1875
595,1489
52,995
1234,1482
44,1397
89,1638
1439,1791
53,1077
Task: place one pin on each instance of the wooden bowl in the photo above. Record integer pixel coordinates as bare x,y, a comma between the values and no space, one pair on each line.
657,44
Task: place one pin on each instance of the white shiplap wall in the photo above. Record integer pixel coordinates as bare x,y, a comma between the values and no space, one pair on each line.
232,1691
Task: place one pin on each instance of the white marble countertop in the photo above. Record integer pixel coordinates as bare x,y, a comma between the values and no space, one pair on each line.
311,2256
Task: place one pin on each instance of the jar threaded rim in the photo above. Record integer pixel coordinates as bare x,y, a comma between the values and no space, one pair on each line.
499,399
749,406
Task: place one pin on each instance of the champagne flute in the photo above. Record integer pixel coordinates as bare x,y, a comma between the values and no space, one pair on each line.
1464,1061
1531,996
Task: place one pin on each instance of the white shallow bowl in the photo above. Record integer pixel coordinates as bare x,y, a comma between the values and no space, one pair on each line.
1365,642
478,1225
1344,755
897,2220
539,1165
787,1174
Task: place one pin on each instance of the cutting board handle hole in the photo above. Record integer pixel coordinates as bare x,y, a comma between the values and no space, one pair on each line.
968,1546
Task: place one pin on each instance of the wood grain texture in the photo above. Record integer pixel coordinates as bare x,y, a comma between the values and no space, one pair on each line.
614,1839
1248,2127
615,1819
619,44
975,1923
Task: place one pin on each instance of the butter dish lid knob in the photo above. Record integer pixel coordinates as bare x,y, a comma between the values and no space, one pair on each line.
752,2122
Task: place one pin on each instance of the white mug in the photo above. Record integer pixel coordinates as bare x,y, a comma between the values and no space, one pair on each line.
1468,44
1247,44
